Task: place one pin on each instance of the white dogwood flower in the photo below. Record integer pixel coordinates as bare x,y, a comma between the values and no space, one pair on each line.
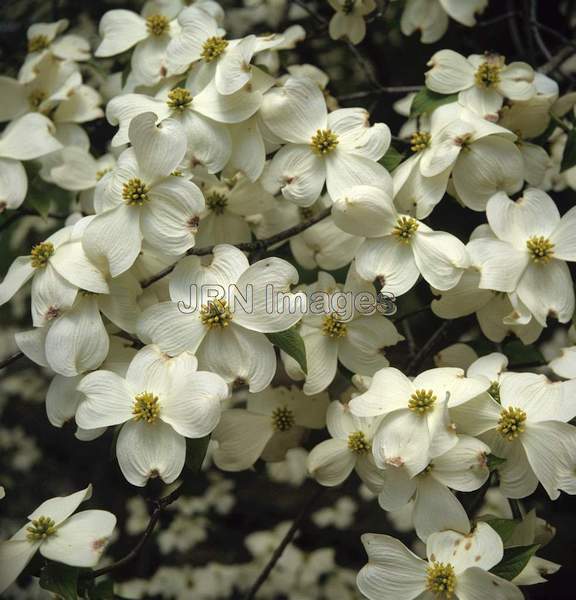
143,201
398,248
26,138
463,468
535,243
483,81
458,565
349,449
430,17
159,406
348,20
77,539
274,420
339,148
416,427
528,427
332,332
221,312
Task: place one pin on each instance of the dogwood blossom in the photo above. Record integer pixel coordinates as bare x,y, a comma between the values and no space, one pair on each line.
52,529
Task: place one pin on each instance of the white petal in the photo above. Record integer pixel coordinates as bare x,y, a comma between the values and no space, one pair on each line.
482,548
295,111
485,102
496,273
62,399
248,149
147,451
440,257
120,306
352,126
322,361
14,556
297,172
450,72
398,488
477,416
14,99
122,109
389,390
237,353
233,70
392,570
108,400
81,539
20,271
194,404
564,237
390,260
29,137
33,344
436,508
71,262
463,467
473,582
51,294
345,170
61,507
331,462
77,341
13,183
208,142
120,30
266,312
159,148
114,236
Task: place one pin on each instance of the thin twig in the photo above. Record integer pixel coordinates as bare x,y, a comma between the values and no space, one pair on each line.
423,353
513,27
13,358
18,213
262,244
391,89
563,126
536,31
284,543
159,506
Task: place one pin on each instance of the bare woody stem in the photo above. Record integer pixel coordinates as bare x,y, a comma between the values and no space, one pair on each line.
297,523
159,506
258,245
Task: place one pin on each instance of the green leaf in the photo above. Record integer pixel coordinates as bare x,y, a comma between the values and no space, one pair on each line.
195,452
514,561
427,101
292,343
569,156
60,579
391,159
104,590
503,527
494,461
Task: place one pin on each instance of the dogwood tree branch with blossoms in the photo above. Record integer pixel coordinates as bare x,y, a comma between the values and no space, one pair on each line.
230,280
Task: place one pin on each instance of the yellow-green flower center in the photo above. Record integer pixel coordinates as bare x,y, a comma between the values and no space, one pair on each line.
441,580
102,172
216,202
541,249
215,313
283,419
212,48
323,142
40,529
358,443
422,401
420,141
405,229
488,74
146,407
511,423
179,98
333,327
135,192
157,24
40,254
494,390
36,97
37,43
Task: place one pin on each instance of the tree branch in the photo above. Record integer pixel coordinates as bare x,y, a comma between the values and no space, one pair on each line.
423,353
259,245
159,506
284,543
8,361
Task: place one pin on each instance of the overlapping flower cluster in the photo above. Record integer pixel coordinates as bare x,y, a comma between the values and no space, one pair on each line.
214,151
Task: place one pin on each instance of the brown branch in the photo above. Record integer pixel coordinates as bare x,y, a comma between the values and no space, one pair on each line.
257,245
284,543
159,506
427,348
18,213
13,358
383,89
